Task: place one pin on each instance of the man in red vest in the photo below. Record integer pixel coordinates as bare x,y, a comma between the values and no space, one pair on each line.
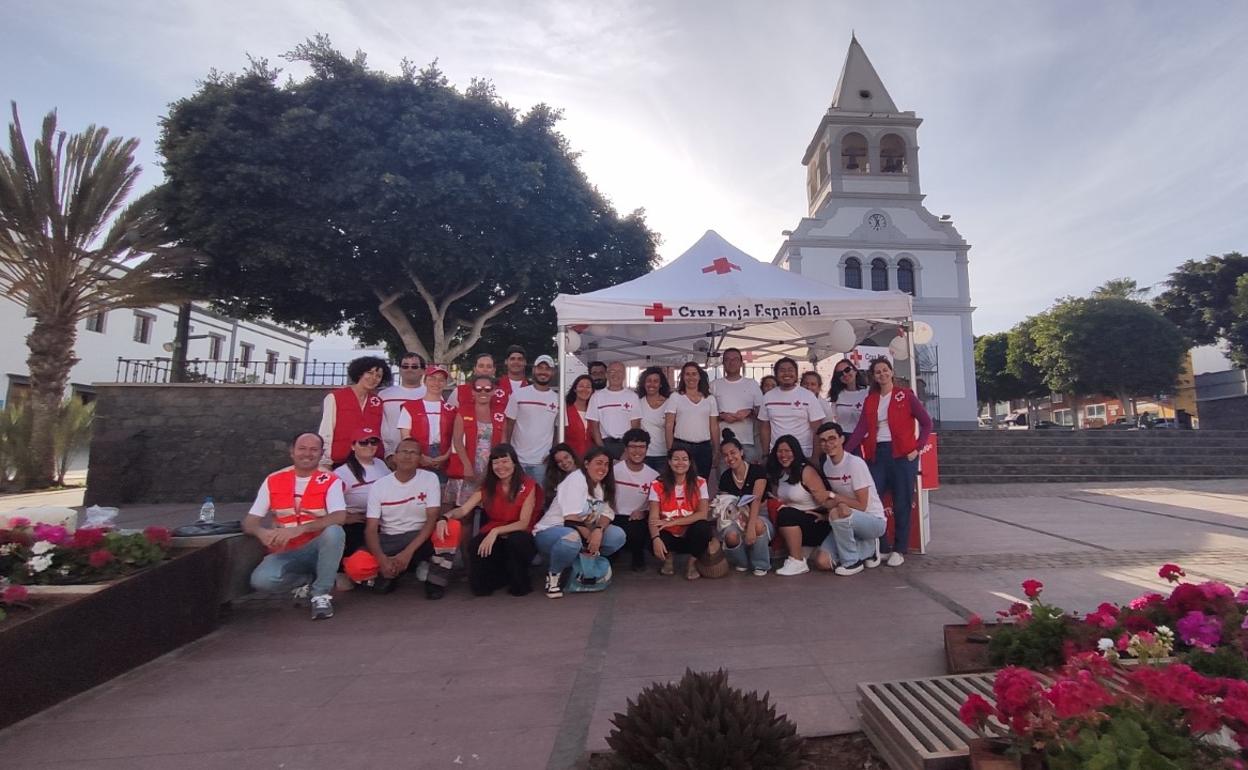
306,540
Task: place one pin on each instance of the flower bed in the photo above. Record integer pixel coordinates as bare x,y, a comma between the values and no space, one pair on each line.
45,554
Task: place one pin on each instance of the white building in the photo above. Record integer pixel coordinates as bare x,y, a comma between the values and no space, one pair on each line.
866,227
129,345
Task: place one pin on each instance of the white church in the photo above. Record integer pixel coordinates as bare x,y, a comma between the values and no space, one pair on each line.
867,228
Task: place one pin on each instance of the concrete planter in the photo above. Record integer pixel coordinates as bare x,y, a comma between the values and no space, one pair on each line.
966,650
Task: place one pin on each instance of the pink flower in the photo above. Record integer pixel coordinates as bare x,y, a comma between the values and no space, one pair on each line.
158,536
1123,642
1171,572
1032,588
100,558
17,522
975,711
1242,596
1145,601
1214,590
1106,616
53,533
1200,630
14,594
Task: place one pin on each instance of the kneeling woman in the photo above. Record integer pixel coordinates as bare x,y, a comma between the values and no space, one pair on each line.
740,479
679,501
800,489
579,518
502,551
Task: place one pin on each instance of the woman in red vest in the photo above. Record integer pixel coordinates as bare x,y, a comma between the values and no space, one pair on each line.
478,428
345,410
679,501
577,433
891,444
430,421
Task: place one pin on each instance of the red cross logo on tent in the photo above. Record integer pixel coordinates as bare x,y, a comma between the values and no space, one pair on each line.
658,312
721,266
855,357
748,356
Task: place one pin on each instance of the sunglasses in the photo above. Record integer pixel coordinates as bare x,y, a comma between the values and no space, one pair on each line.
410,366
485,389
369,442
843,372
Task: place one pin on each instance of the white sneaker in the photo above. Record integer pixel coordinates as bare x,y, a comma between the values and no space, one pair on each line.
760,573
895,559
301,594
740,569
873,561
322,607
792,567
850,569
553,591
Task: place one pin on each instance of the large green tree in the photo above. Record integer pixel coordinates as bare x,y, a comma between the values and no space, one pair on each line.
1020,363
422,216
993,380
70,247
1107,345
1208,300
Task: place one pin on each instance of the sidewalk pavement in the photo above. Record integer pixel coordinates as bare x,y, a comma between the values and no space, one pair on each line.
501,682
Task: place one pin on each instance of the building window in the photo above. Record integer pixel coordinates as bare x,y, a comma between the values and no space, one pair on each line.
893,154
292,368
1057,398
95,321
854,154
905,276
1094,411
1062,417
853,273
244,355
216,346
270,362
879,275
143,323
823,165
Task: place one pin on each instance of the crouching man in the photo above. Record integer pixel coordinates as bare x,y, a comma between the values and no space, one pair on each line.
306,540
402,515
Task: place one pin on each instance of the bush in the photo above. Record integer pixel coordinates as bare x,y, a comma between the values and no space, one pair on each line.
702,722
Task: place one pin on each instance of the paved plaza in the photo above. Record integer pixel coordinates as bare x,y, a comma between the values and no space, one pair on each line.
511,683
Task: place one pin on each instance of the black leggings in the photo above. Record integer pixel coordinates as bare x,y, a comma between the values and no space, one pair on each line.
507,565
814,529
637,533
694,541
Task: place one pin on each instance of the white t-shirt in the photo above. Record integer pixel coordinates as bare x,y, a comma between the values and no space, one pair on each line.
632,488
882,432
403,506
334,500
829,409
357,491
614,411
693,421
733,396
535,412
849,408
850,475
433,413
654,422
791,412
572,498
393,399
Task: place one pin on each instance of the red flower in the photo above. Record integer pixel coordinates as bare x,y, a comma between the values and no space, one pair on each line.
100,558
1137,623
1171,572
158,536
975,711
86,539
14,594
974,622
1032,588
1146,601
1078,694
1106,616
1020,611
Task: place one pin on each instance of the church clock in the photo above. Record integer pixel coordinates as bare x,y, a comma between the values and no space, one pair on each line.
877,221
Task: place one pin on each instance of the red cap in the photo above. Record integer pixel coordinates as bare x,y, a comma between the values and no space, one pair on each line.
363,433
436,369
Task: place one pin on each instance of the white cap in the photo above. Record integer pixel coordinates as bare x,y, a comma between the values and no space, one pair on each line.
545,360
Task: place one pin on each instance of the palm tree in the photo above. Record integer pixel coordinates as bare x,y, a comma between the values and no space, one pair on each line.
56,258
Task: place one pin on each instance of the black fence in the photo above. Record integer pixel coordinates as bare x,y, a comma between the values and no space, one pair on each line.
237,371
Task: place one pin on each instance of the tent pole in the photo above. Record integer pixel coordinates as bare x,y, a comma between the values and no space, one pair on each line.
563,366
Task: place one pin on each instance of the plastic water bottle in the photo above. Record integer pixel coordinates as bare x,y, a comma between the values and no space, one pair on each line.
207,512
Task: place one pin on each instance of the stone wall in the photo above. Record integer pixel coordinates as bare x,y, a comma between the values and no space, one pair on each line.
1224,413
181,443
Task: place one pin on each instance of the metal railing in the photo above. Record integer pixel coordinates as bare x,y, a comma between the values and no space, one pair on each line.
234,371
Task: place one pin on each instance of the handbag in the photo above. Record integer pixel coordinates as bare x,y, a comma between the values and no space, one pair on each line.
589,573
727,510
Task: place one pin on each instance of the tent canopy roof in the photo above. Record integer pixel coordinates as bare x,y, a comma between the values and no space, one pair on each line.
716,296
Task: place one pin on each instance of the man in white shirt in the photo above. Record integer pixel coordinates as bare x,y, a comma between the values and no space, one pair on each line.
306,540
855,510
532,412
738,398
410,387
632,494
612,411
789,410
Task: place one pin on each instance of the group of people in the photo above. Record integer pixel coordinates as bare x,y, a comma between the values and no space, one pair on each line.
401,479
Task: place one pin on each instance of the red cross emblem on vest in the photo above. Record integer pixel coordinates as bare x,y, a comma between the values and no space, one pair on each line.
421,497
322,478
658,312
721,266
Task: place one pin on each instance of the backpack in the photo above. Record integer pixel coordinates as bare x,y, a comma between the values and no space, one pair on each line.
589,573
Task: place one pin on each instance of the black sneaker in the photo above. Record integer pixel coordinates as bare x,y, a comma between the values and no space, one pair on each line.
553,591
434,591
381,585
850,569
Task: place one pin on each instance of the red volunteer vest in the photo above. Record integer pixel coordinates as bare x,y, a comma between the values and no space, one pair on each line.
901,423
672,507
455,468
289,511
500,512
577,434
349,417
420,425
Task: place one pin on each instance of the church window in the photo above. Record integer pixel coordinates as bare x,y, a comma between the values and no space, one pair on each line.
905,276
893,154
879,275
823,166
854,154
853,273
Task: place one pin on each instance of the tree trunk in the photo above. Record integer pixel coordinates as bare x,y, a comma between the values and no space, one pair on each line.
1128,404
51,345
181,339
1075,412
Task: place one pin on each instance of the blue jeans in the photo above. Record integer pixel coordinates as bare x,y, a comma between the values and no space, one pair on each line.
538,474
759,553
562,551
896,475
315,562
852,539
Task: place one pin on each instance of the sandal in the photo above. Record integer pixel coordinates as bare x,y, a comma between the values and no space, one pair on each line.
668,568
691,572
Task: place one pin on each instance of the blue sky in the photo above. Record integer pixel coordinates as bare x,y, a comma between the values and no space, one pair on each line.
1071,142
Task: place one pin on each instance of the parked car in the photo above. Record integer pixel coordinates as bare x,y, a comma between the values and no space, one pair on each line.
1050,425
1164,423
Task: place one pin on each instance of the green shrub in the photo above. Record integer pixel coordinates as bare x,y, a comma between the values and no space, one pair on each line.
701,722
1035,642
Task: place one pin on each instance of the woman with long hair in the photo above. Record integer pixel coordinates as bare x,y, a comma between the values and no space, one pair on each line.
796,483
693,417
579,519
361,468
891,433
846,392
502,551
741,479
561,461
478,427
577,400
653,391
679,501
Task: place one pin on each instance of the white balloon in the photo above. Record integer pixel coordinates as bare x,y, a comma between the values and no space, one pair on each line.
899,348
841,338
574,341
599,330
923,332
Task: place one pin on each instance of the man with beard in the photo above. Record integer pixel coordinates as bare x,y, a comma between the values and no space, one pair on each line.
410,387
532,412
598,374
